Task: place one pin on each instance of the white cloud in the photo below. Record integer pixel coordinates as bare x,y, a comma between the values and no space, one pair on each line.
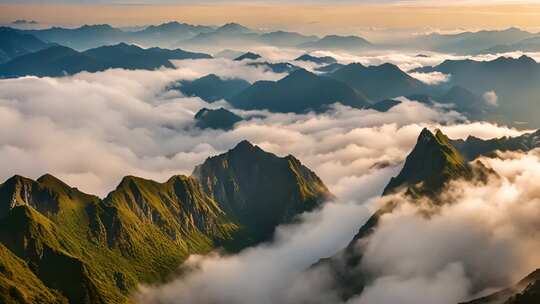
433,78
491,98
92,129
483,239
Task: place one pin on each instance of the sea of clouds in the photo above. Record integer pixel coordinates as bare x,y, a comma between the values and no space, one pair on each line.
92,129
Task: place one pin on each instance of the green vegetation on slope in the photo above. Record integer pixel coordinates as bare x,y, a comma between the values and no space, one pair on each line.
70,247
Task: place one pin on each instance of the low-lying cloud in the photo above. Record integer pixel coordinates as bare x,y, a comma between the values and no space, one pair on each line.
482,240
92,129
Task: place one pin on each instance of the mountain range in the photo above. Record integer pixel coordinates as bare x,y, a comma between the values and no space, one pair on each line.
298,92
14,44
175,34
378,82
469,42
60,245
60,60
211,88
512,80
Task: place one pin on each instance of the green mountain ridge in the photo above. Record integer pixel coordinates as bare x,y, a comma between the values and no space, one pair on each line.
429,167
72,247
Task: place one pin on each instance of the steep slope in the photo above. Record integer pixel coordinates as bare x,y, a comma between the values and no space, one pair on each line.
299,92
379,82
431,164
526,291
133,57
212,88
216,119
54,61
281,38
84,37
259,189
94,251
71,247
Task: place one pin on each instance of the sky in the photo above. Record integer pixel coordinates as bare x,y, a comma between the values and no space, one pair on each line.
309,16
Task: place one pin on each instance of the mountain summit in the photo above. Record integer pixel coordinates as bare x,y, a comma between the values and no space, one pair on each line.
432,163
259,189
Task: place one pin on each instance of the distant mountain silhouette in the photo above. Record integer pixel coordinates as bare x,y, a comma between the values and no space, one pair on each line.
212,88
379,82
513,80
14,43
335,42
384,105
473,147
248,56
216,119
279,68
526,291
299,92
61,60
469,42
317,60
285,39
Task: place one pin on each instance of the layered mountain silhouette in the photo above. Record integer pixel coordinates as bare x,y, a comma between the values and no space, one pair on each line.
285,39
531,44
470,42
59,245
317,60
81,38
14,44
248,56
513,80
526,291
278,67
336,42
61,60
473,147
216,119
299,92
378,82
212,88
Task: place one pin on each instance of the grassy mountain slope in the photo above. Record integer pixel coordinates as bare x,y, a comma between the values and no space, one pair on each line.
72,247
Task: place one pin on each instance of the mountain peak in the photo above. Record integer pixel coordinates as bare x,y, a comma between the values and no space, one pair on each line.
248,56
260,189
244,145
233,27
432,162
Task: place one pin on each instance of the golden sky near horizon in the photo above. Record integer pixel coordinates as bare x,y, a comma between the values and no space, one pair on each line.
308,18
